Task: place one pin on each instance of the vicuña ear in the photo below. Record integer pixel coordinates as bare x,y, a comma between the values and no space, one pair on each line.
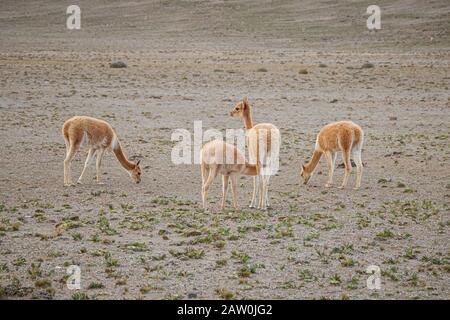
245,102
137,163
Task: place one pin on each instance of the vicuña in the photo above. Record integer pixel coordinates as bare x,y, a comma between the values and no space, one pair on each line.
219,157
345,136
99,136
263,142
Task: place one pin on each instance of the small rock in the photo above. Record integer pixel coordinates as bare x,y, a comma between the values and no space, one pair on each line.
192,295
118,64
367,65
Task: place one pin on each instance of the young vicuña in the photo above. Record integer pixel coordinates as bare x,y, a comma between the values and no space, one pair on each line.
219,157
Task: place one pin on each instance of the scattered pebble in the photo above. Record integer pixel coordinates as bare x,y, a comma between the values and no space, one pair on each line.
118,64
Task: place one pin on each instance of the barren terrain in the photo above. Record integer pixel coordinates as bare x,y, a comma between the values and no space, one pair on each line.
302,65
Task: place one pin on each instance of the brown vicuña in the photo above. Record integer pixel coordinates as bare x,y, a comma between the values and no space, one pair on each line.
219,157
345,136
99,136
263,142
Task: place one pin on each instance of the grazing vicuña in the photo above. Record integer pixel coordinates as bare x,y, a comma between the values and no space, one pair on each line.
99,136
345,136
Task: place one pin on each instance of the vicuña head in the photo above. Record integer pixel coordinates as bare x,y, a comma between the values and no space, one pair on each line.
241,109
305,174
135,173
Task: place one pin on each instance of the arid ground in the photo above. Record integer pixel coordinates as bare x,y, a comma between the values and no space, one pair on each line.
302,65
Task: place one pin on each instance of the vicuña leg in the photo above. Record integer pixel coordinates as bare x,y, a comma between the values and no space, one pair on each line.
233,190
67,143
259,196
73,148
225,179
205,187
86,164
205,172
334,160
255,191
266,189
359,168
262,191
330,163
98,163
268,173
346,156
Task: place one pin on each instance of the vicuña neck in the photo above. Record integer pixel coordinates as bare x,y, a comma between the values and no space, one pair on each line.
311,165
250,170
247,116
122,158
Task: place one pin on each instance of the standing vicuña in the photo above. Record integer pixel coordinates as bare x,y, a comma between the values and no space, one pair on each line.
220,157
263,142
345,136
99,136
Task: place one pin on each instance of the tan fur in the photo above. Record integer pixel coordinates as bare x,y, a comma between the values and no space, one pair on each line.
99,136
265,133
345,136
218,157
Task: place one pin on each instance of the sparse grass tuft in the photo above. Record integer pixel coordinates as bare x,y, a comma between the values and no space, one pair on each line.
96,285
80,296
188,253
335,279
42,283
224,294
386,233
